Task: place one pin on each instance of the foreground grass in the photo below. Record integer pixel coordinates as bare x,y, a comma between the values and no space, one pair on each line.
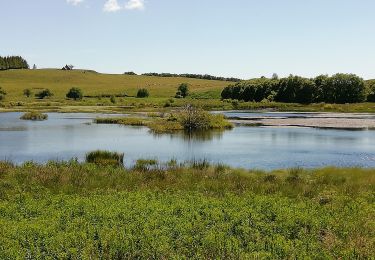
72,210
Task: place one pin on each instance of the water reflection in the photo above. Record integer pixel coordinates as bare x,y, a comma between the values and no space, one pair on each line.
65,136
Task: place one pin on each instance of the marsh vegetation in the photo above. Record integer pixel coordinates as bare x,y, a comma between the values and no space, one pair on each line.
34,116
191,210
189,119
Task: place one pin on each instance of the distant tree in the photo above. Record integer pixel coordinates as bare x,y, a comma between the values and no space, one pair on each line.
183,90
75,93
371,91
275,76
348,88
143,93
2,94
113,99
13,62
44,93
130,73
27,92
34,67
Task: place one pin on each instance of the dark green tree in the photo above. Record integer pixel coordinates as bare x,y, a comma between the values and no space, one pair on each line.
183,90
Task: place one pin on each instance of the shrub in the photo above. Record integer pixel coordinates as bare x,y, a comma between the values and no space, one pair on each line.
34,116
105,158
112,99
44,93
27,92
75,93
182,91
143,93
2,94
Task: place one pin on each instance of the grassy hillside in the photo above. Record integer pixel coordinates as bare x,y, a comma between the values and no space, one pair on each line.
92,83
82,211
204,93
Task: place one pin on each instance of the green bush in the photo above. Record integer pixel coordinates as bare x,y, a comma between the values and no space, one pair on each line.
27,92
182,91
44,94
143,93
75,93
105,158
34,116
2,94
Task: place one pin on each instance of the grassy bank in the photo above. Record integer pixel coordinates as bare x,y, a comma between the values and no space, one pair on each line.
99,88
73,210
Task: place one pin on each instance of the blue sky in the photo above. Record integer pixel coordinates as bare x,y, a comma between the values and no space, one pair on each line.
240,38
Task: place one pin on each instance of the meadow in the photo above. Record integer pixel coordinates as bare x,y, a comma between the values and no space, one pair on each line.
98,90
71,210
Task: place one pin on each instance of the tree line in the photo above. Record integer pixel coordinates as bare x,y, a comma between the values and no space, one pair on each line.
339,88
193,76
13,62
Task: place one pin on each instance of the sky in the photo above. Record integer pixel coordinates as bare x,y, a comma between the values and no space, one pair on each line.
236,38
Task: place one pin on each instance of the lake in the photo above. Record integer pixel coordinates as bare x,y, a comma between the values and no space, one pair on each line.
64,136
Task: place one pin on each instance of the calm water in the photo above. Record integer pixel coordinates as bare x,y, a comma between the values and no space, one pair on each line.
64,136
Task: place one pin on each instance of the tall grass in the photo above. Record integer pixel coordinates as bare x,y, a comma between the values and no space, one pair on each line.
85,211
105,158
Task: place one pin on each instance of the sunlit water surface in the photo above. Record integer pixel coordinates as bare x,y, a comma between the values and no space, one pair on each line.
66,136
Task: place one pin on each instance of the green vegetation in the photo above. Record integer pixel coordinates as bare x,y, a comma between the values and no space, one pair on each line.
27,92
143,93
188,119
105,158
34,116
98,88
182,91
13,62
193,76
69,210
2,94
340,88
75,93
46,93
132,121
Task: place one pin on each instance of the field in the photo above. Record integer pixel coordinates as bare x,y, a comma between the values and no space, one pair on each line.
99,87
70,210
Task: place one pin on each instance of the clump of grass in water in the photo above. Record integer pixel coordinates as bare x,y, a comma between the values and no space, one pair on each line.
105,158
34,116
132,121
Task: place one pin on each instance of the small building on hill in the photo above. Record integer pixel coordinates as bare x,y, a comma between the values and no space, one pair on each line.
68,67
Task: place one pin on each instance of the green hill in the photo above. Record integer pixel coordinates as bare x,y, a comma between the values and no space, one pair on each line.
93,83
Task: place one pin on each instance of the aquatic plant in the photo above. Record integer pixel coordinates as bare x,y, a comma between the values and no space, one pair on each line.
105,158
34,116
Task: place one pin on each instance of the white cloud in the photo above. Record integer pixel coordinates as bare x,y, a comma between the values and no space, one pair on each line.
114,6
135,5
111,6
74,2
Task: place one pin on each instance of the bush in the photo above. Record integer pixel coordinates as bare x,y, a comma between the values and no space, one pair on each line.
2,94
105,158
34,116
182,91
44,93
143,93
75,93
27,92
112,99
